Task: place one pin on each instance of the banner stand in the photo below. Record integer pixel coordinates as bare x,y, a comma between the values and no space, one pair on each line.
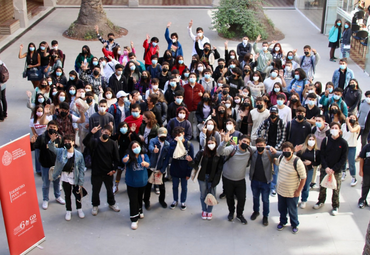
33,246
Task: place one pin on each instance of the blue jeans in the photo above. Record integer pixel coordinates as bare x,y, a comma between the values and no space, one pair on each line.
288,205
204,191
352,161
306,187
274,177
263,189
46,184
37,162
175,188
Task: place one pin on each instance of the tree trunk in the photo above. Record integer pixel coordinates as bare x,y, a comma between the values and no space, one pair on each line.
91,14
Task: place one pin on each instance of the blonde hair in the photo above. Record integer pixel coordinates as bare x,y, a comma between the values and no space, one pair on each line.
305,144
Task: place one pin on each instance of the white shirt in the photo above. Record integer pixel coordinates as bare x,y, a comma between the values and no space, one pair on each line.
269,83
257,118
285,114
68,177
40,129
201,41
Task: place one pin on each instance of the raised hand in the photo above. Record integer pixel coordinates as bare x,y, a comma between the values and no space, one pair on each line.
125,159
95,129
169,24
21,47
314,51
29,93
33,139
227,137
204,129
156,150
132,44
258,38
47,109
190,23
147,37
133,127
53,137
272,150
96,29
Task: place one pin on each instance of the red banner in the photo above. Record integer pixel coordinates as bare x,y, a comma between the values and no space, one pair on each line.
18,197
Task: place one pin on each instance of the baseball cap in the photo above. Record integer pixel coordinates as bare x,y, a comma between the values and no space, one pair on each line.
121,93
274,109
162,132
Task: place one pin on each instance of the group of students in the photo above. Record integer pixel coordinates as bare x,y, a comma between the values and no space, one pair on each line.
257,107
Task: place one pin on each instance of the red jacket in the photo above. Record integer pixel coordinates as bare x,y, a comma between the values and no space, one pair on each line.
191,96
152,51
108,53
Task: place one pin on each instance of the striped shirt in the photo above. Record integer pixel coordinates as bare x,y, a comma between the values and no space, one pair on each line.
288,179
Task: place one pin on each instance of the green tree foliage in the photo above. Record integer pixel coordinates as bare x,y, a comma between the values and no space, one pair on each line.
238,18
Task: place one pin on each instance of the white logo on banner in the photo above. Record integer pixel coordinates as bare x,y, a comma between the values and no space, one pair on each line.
7,158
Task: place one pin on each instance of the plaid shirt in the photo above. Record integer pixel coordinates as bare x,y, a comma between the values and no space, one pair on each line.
263,131
109,47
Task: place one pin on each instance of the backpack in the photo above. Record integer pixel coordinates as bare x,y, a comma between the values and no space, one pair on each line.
295,162
146,51
312,63
4,74
234,151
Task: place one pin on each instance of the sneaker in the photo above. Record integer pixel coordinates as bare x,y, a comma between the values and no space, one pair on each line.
294,230
242,219
265,221
280,226
353,182
303,205
114,208
222,195
173,205
183,207
254,215
134,225
80,213
209,216
115,189
157,191
334,212
45,205
343,176
361,205
39,174
141,215
312,185
147,205
204,215
318,205
68,215
95,210
163,204
273,193
61,201
230,217
333,60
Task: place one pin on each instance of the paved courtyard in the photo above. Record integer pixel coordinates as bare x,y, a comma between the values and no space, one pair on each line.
168,231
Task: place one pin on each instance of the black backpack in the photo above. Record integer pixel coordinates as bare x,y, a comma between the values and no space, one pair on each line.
295,162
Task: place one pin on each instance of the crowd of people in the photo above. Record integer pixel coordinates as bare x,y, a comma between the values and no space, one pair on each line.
257,107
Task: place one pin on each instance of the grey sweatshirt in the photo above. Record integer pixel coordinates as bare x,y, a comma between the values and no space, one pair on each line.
236,167
363,113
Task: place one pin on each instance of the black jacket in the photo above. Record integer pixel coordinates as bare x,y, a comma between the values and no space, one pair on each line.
47,157
169,95
117,85
333,153
172,108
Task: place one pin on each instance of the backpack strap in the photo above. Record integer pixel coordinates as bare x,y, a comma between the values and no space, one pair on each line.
295,163
96,107
115,109
231,154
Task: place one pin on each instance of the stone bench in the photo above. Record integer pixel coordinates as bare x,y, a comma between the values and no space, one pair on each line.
9,27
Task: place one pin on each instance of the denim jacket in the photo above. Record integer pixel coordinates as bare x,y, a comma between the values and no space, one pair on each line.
164,154
61,160
116,112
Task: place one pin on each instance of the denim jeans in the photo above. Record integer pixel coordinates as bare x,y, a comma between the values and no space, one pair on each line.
46,184
288,205
204,190
175,188
274,177
37,162
306,187
352,161
263,189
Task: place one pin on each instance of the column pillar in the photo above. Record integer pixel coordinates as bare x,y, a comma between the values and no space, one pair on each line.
20,12
133,3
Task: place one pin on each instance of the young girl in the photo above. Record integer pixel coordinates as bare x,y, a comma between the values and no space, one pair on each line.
334,38
256,86
209,130
136,180
148,128
243,115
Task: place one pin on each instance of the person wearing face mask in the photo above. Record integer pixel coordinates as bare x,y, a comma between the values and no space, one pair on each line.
150,49
256,85
342,75
33,63
299,128
207,81
243,48
104,156
74,80
345,45
108,95
308,61
277,52
257,116
270,81
155,68
209,175
335,115
135,119
237,158
164,75
352,96
83,128
172,107
55,47
43,89
209,130
173,42
84,57
292,177
208,54
336,98
47,160
70,166
265,58
285,112
179,65
260,176
43,50
334,38
200,34
299,83
119,110
235,81
311,108
204,109
101,118
110,43
217,73
334,150
180,120
118,82
277,90
167,57
290,58
363,119
54,63
97,81
59,79
288,73
172,89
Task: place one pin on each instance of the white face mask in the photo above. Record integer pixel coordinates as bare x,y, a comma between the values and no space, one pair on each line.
210,127
39,114
139,98
174,40
200,69
277,48
311,143
211,146
108,96
367,100
334,132
200,34
264,48
237,101
155,87
245,41
228,105
232,57
102,109
256,78
229,127
182,116
87,90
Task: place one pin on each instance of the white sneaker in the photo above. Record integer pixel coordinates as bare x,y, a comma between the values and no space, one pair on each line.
353,182
61,201
68,215
80,213
303,205
114,207
157,191
95,210
115,189
45,205
141,216
343,176
334,212
318,205
134,225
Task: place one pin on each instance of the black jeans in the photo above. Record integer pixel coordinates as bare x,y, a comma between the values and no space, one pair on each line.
3,105
364,135
67,187
96,182
237,188
135,196
365,188
148,189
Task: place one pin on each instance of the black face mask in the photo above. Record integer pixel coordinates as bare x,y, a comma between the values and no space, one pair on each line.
352,121
244,146
206,99
168,55
224,92
266,100
63,114
259,106
334,111
206,49
105,136
162,138
233,76
111,39
96,72
306,53
88,100
84,52
273,116
165,69
300,117
194,61
221,66
221,111
43,86
352,86
260,149
293,101
68,146
247,105
287,154
52,131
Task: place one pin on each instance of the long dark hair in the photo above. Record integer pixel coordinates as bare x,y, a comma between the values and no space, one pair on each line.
35,110
87,48
207,152
131,154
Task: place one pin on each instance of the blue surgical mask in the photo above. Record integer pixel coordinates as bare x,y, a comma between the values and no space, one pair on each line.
192,80
346,26
178,100
123,130
58,73
336,97
154,61
232,66
173,83
132,68
95,63
280,102
137,150
273,75
32,48
277,90
42,48
71,78
135,114
50,83
342,67
318,124
311,102
331,90
41,100
186,75
154,44
72,91
207,76
338,24
181,62
54,93
290,57
61,99
296,76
